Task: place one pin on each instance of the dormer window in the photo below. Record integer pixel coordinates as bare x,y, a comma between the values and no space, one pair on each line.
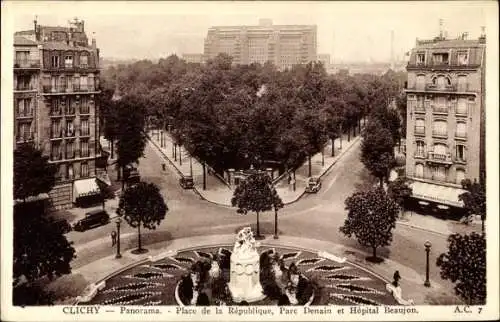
440,58
463,58
84,60
420,58
68,61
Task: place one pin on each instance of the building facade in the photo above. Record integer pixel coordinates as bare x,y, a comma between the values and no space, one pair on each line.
282,45
445,115
56,81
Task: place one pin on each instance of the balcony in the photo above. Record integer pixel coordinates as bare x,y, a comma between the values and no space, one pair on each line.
420,130
24,87
439,158
419,108
70,111
56,113
71,89
419,155
25,138
439,109
70,134
25,114
26,64
460,159
57,156
71,68
56,135
70,155
442,135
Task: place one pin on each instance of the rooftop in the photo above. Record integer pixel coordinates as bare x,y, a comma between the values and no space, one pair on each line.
22,41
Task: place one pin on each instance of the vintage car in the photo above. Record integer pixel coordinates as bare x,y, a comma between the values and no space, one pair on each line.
186,182
92,219
313,184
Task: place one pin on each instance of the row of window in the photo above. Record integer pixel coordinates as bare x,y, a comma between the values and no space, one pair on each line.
69,171
438,173
69,61
442,58
440,151
442,82
69,106
440,128
68,130
69,150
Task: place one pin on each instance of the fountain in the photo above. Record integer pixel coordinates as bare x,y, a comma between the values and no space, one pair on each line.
244,283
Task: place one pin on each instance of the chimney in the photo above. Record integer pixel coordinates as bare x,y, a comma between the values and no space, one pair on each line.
94,45
482,38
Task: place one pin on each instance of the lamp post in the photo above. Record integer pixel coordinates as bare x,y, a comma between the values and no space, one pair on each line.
118,222
427,245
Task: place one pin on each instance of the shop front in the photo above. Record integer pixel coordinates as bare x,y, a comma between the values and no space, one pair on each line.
86,193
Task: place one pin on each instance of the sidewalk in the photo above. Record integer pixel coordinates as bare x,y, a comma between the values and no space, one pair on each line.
219,192
411,283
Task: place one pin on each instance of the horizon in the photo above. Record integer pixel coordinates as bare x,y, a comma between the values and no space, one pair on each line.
183,29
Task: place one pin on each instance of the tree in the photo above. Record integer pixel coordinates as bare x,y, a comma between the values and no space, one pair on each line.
371,218
474,199
32,172
142,204
377,150
131,136
465,265
40,247
334,119
399,190
256,193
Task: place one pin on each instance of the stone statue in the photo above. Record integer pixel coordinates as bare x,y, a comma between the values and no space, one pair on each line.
244,283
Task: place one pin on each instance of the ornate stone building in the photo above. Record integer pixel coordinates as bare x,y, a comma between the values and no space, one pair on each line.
445,117
56,81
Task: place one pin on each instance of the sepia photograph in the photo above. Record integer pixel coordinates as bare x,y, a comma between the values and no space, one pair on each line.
249,160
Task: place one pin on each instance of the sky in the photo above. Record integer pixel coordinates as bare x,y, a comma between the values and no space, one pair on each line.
348,31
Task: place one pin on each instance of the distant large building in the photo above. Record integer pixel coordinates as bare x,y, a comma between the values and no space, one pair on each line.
445,127
56,82
194,58
283,45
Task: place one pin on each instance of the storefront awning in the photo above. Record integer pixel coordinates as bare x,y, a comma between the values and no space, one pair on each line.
437,194
85,187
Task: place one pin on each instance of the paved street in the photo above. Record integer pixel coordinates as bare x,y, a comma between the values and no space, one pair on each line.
316,216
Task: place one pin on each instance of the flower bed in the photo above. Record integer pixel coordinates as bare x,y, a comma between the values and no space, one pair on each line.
160,282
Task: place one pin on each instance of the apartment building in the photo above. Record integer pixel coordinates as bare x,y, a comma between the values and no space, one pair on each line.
446,113
56,82
283,45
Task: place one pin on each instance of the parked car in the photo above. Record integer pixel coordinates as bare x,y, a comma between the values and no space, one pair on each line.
313,184
92,219
186,182
62,225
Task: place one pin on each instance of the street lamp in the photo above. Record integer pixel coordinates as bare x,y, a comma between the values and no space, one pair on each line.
427,245
118,222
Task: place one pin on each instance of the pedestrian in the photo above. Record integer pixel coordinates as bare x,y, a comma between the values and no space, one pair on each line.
113,238
289,179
